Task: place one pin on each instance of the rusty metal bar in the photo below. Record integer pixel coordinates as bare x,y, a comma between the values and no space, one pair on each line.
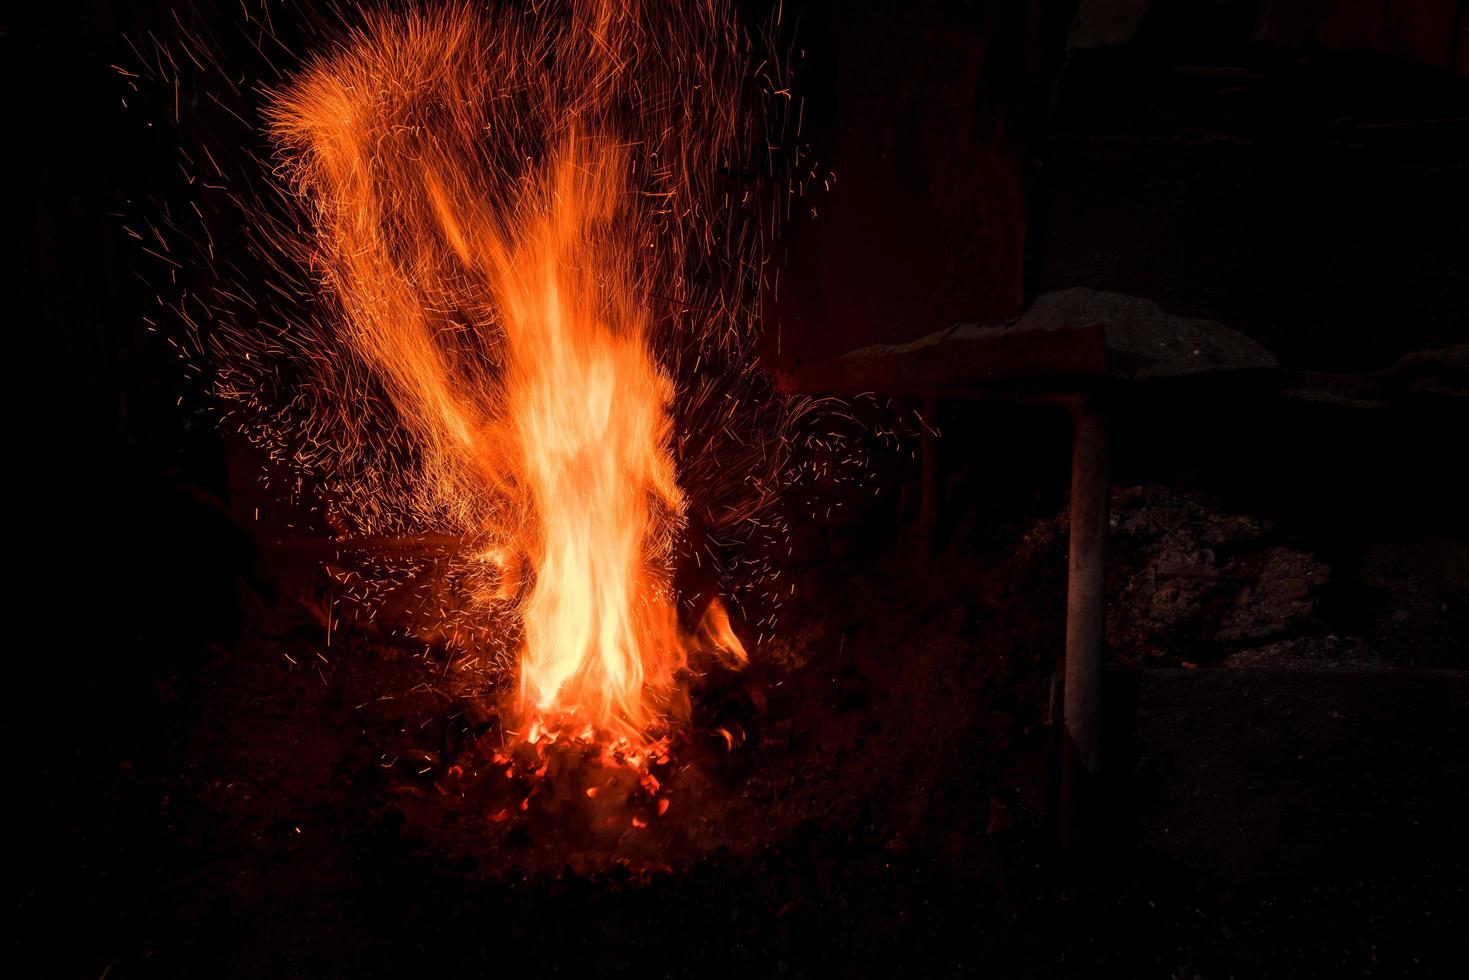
928,506
1086,609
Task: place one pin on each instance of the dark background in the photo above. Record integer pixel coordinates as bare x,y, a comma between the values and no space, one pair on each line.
1297,170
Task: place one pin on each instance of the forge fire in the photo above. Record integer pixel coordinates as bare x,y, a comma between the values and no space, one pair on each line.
507,208
741,487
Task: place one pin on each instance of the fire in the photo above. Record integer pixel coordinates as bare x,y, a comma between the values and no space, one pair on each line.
493,229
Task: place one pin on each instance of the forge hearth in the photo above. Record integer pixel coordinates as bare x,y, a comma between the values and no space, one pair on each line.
747,488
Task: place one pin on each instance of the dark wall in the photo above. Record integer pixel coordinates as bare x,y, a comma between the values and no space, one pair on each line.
1241,169
1295,169
916,119
123,567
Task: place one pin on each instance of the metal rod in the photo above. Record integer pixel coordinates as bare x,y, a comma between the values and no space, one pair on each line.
1086,610
928,501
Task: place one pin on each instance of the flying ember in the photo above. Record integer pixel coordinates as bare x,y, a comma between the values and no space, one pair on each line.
500,206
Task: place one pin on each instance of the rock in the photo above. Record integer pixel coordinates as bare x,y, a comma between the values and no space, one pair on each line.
1309,652
1189,580
1281,593
1440,373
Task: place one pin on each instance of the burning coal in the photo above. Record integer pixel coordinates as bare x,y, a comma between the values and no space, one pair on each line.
537,334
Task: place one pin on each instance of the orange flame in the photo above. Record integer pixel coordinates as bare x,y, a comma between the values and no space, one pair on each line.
478,223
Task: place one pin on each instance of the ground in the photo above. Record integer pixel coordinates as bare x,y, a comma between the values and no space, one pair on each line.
884,812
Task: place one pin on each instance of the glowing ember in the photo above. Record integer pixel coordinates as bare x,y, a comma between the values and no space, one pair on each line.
496,233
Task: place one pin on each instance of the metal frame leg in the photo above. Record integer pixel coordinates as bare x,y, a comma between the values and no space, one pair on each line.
1086,610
